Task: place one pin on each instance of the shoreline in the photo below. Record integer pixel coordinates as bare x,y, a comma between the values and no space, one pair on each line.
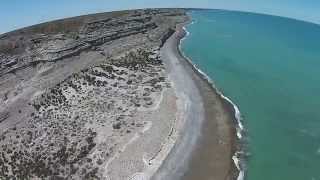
227,167
230,105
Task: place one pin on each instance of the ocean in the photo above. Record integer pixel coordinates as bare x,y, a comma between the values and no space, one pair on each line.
270,68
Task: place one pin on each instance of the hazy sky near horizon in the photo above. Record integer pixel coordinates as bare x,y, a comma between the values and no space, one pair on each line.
20,13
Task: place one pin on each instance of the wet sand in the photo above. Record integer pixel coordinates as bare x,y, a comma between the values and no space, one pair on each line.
207,142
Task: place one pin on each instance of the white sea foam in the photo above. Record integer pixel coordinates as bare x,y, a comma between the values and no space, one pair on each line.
237,113
237,163
187,32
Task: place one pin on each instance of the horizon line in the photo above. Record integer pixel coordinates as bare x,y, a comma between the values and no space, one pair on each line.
186,8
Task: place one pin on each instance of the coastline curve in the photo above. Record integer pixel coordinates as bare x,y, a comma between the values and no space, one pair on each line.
237,114
216,129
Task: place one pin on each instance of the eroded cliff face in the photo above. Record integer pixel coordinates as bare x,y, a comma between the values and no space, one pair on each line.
71,91
48,43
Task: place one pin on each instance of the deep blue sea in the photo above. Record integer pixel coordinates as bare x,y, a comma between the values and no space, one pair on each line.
270,67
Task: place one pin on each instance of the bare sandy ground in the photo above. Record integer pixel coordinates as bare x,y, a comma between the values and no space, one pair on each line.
142,154
147,149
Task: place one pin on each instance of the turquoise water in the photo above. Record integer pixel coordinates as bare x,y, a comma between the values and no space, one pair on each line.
270,67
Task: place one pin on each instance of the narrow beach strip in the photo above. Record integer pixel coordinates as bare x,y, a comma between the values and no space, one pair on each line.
207,145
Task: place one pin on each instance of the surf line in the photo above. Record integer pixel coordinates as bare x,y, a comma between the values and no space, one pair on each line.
237,114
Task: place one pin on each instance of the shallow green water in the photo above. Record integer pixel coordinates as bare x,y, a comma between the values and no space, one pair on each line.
270,67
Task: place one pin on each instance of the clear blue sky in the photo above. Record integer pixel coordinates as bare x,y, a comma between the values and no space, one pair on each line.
20,13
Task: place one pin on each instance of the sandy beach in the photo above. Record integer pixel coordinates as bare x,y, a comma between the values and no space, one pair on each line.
206,144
